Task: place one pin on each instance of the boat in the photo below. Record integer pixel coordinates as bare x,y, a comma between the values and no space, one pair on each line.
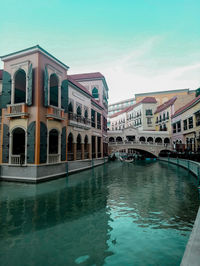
126,160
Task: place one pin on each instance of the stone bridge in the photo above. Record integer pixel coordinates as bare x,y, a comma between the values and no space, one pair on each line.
128,147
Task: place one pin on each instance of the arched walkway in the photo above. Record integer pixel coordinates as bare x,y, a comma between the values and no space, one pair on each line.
111,139
118,139
142,139
150,140
78,147
70,147
158,140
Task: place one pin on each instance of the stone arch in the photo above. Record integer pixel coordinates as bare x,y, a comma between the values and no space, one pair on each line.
150,140
118,139
18,151
158,140
166,140
111,139
142,139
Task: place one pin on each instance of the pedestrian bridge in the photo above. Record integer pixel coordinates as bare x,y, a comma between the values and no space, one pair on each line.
130,146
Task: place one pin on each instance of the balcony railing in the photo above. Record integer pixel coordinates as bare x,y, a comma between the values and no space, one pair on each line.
54,112
79,119
18,109
78,155
54,158
15,159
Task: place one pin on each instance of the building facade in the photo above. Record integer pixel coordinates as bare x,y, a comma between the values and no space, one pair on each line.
48,118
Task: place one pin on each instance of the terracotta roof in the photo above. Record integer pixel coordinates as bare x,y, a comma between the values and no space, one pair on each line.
129,108
165,105
87,76
1,74
185,107
80,86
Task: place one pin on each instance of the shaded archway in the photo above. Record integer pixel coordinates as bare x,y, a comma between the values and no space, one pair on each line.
166,140
142,139
53,146
78,147
111,139
86,148
54,90
158,140
18,146
118,139
70,146
150,140
20,87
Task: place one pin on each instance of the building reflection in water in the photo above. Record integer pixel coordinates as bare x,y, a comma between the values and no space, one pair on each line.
94,216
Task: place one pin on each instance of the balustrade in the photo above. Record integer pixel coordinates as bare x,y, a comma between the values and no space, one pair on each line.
53,158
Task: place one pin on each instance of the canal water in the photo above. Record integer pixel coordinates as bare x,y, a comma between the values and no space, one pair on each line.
116,214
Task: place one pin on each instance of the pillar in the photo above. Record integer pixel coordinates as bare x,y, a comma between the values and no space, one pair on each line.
96,147
74,151
82,151
90,150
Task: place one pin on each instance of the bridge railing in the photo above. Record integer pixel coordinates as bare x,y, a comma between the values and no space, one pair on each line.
126,142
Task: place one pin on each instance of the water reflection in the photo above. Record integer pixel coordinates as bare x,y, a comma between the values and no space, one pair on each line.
104,215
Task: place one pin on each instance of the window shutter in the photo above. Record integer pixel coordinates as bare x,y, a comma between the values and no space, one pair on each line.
31,143
64,95
30,85
63,144
6,89
43,143
5,146
46,78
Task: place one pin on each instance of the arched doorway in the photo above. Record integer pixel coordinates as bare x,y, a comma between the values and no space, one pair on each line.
54,146
18,155
54,90
20,86
86,148
78,147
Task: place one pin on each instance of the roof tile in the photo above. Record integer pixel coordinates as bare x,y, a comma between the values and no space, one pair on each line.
180,110
87,76
165,105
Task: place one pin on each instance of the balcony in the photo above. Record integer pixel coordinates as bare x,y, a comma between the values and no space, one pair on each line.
79,121
17,110
54,112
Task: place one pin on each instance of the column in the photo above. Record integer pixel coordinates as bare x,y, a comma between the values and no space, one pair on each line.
82,151
10,147
59,94
90,150
12,92
96,146
25,160
74,150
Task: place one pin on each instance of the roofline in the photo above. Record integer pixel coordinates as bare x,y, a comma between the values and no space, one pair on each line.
91,79
79,89
35,48
162,92
187,108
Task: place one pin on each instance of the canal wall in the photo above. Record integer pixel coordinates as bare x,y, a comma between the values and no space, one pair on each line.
192,252
41,173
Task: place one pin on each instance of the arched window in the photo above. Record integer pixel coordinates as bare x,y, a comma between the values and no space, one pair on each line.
166,141
54,90
70,108
95,93
78,111
53,141
86,113
20,86
111,139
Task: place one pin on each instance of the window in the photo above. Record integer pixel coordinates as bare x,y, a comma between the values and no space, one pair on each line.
93,118
98,121
179,126
95,93
148,112
185,124
174,128
163,116
190,120
149,122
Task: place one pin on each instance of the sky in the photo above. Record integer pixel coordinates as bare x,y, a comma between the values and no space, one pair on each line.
138,45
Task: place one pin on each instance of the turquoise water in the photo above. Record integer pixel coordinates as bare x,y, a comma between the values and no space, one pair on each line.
115,214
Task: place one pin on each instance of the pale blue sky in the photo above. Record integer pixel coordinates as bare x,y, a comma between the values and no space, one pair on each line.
139,45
